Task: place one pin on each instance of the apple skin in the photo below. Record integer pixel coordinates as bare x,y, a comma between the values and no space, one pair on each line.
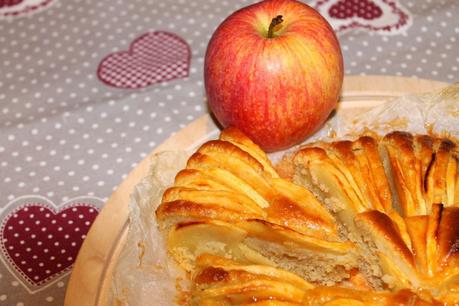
278,90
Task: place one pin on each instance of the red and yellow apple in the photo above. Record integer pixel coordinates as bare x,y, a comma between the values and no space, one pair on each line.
274,70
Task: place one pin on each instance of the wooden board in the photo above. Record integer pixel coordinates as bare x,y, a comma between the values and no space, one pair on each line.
91,277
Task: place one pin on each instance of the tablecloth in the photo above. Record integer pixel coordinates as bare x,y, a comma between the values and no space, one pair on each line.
88,88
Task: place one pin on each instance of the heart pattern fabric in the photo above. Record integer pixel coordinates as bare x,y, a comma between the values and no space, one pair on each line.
40,242
16,8
152,58
361,8
7,3
381,16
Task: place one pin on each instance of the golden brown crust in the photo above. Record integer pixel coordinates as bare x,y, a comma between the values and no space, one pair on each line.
448,238
232,181
375,180
425,172
440,179
218,281
284,211
239,139
252,174
231,194
417,230
431,238
354,167
424,169
330,176
224,151
198,179
407,172
423,146
269,231
381,226
192,210
298,208
223,198
242,181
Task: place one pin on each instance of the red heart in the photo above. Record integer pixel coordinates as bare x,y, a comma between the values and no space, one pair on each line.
152,58
382,16
15,8
7,3
42,243
365,9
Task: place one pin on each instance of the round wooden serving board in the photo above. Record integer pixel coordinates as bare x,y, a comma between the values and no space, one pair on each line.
91,277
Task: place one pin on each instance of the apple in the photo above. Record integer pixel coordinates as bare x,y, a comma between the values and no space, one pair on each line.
274,70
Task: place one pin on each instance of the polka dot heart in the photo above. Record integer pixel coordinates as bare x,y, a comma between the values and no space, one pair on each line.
382,16
41,242
152,58
361,8
16,8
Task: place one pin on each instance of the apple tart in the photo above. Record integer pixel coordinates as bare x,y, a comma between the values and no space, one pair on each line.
374,221
397,199
230,202
219,281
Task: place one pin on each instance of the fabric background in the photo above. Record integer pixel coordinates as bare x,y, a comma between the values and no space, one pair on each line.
68,138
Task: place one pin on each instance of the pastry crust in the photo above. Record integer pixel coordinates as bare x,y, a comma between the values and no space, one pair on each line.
424,170
374,219
219,281
351,172
413,236
230,184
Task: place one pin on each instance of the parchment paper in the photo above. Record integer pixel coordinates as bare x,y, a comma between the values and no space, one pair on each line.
145,276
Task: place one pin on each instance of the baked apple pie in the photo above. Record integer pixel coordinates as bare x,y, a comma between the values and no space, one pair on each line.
374,221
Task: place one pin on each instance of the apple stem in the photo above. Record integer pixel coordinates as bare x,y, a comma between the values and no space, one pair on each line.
276,21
